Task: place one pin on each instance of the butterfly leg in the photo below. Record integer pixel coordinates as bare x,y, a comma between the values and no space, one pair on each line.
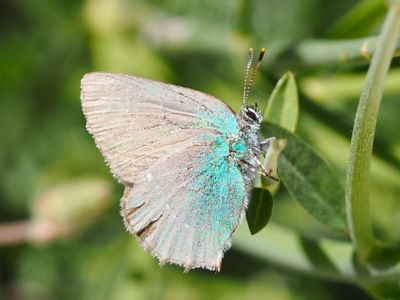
267,173
264,172
265,144
246,164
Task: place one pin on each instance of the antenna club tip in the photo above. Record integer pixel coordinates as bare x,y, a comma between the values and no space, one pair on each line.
260,57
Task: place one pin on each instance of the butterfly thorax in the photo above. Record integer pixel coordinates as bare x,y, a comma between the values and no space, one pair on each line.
249,120
245,148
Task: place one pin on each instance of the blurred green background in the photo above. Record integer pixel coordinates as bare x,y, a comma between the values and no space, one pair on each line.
61,235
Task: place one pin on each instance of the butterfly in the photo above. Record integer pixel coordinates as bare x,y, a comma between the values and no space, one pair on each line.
186,159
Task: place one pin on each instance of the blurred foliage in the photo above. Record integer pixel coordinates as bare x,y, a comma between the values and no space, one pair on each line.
46,46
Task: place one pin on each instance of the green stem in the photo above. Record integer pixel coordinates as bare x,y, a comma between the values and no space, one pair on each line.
282,246
317,53
358,212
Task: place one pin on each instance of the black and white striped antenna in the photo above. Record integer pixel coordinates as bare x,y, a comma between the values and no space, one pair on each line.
247,82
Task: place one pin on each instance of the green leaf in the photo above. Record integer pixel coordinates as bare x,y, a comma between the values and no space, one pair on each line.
270,163
388,289
283,104
317,256
309,179
259,210
384,256
361,20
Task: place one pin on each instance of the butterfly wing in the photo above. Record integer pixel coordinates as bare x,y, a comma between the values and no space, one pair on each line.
185,207
135,121
183,196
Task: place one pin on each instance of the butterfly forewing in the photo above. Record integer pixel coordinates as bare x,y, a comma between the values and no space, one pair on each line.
183,197
135,121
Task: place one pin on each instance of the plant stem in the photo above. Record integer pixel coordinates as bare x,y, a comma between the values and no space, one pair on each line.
26,231
358,213
14,233
317,53
282,247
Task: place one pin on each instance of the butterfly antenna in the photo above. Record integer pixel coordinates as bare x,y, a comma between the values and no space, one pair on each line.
259,60
246,77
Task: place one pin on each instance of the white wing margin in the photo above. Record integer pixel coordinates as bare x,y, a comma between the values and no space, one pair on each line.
135,121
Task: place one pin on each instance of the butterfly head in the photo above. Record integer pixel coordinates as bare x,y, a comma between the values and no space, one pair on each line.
251,114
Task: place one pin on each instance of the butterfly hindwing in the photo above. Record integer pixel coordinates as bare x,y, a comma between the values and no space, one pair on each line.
185,207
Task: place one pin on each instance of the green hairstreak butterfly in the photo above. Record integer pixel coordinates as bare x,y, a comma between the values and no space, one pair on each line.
187,162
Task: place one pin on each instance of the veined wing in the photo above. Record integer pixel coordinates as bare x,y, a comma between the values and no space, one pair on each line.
185,207
135,121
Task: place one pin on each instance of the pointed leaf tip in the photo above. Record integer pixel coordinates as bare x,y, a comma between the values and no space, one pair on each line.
260,210
283,104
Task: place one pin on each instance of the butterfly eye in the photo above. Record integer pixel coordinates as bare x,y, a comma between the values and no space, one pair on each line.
251,114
